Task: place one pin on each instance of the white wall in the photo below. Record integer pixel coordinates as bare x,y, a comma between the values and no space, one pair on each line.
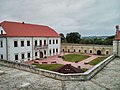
116,47
19,50
38,43
54,46
3,49
1,29
14,50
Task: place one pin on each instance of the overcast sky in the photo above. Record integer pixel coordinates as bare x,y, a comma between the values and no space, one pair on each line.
88,17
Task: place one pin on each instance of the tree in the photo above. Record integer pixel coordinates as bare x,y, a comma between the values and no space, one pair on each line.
73,37
62,38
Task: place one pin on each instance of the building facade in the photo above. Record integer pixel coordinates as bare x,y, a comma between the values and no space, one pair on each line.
116,42
88,49
22,42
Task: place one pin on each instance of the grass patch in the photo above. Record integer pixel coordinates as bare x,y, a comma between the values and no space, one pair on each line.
75,57
97,60
48,66
84,69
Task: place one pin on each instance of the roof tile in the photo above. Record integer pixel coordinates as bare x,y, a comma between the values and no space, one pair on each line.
17,29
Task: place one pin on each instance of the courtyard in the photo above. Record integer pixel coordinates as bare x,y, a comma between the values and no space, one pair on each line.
85,61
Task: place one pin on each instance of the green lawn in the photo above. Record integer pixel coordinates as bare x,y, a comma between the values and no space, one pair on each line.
48,66
84,69
74,57
97,60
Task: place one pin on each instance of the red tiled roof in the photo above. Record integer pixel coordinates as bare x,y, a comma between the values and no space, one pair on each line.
17,29
117,36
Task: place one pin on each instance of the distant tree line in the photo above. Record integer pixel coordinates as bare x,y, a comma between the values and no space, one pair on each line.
75,37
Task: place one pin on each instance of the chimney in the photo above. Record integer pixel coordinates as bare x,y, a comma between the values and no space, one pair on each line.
117,27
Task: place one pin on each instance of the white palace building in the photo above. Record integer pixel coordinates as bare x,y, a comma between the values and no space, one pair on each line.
22,41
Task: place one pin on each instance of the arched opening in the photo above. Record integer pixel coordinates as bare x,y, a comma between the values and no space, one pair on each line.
74,50
79,50
68,50
41,54
98,52
63,50
90,51
85,51
107,52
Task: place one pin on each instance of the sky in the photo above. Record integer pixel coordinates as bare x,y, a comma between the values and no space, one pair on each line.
88,17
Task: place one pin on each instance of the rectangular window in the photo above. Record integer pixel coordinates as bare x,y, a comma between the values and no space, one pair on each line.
15,43
44,42
49,41
22,43
1,44
35,42
40,42
53,41
45,52
53,50
28,55
50,52
22,56
1,56
28,43
35,53
56,41
1,32
16,56
56,50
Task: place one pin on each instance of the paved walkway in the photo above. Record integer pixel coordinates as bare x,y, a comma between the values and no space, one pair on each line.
106,79
53,59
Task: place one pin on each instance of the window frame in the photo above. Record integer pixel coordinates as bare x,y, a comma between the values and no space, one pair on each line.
49,41
15,43
28,42
28,54
23,57
36,42
1,56
53,41
1,43
56,41
36,54
17,57
22,43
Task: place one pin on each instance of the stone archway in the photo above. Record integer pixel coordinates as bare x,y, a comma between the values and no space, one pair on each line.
41,54
68,50
98,52
107,52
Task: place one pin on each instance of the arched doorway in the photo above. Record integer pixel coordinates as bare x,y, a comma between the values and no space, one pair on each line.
107,52
98,52
41,54
68,50
90,51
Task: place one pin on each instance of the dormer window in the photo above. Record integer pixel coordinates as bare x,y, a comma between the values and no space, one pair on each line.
1,31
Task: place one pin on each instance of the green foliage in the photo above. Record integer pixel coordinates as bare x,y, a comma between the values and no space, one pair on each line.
84,69
99,41
74,57
97,60
48,66
63,40
73,37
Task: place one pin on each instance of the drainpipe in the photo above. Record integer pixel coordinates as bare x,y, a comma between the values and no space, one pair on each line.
32,48
6,48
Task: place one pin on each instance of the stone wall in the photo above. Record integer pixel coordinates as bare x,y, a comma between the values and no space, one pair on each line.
89,49
116,47
77,76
